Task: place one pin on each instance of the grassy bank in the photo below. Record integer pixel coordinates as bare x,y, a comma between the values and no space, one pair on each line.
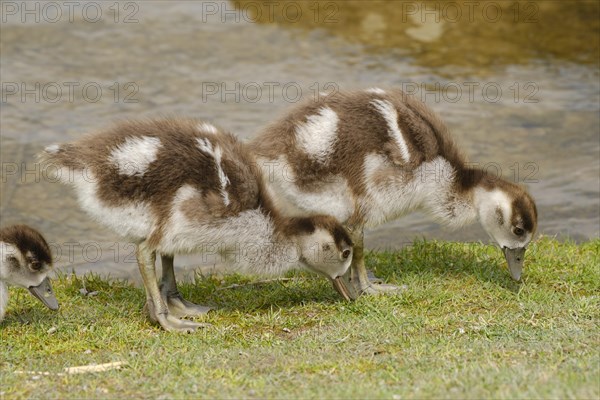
461,328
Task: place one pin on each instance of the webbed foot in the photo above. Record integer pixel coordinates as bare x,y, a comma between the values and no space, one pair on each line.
180,307
170,322
350,288
174,324
378,287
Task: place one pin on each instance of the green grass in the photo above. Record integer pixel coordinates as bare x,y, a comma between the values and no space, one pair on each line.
461,329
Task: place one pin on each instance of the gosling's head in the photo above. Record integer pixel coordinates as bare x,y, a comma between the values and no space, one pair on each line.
509,215
325,246
26,260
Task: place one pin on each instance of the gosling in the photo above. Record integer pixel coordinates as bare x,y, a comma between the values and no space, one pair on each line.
175,186
368,157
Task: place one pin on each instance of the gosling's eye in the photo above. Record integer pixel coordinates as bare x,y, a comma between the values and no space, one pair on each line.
518,231
346,254
35,265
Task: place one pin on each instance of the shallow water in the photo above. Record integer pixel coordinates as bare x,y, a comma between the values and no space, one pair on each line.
520,91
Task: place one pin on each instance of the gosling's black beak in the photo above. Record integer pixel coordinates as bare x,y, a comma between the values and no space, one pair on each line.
515,258
343,287
45,294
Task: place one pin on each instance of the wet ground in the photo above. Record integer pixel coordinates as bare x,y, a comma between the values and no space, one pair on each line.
518,83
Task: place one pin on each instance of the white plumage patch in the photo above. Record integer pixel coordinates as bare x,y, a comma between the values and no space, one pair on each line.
216,153
388,111
205,127
375,90
135,154
318,134
52,149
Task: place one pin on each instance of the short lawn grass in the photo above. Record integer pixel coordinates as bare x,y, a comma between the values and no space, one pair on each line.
461,328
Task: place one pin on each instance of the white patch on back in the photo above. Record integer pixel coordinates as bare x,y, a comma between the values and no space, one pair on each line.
389,113
134,155
318,134
52,149
206,127
215,152
375,90
333,197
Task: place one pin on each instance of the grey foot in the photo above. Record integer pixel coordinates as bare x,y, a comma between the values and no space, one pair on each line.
372,278
382,288
180,307
174,324
351,286
377,286
170,322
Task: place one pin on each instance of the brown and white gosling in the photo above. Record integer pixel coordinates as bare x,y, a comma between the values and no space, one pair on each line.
25,260
371,156
182,186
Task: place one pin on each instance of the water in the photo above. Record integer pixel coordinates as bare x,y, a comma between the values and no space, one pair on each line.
520,92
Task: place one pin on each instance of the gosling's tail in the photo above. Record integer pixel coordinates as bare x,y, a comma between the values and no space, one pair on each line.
61,155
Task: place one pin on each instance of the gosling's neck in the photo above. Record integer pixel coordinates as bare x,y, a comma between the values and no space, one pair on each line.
461,196
281,255
265,248
444,194
280,251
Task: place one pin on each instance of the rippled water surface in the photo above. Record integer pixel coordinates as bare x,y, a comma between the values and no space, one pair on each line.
518,84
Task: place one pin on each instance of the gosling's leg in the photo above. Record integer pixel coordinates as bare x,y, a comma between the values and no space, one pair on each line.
157,309
357,280
177,305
